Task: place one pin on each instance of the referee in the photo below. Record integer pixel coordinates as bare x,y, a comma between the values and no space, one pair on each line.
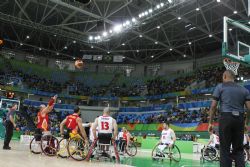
232,98
9,125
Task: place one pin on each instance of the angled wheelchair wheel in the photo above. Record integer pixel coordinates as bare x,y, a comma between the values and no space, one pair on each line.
156,154
175,153
132,149
63,151
76,149
49,145
35,146
245,155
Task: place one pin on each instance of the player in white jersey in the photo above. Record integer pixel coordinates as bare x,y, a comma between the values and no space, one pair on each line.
106,125
168,137
214,139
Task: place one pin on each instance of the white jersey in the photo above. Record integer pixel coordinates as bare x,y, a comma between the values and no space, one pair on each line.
105,124
120,135
214,140
167,136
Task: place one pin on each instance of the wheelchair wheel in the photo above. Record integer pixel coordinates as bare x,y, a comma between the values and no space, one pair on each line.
156,155
35,146
49,145
175,153
76,149
209,154
132,149
245,155
63,151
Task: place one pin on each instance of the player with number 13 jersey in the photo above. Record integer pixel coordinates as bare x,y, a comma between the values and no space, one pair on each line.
105,124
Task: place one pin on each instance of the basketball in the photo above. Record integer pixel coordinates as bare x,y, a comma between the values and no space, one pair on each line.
1,41
79,64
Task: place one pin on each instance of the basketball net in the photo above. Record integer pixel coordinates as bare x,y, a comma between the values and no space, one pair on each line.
231,65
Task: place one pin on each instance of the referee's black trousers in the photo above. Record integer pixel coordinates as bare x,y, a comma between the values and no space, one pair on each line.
231,132
8,134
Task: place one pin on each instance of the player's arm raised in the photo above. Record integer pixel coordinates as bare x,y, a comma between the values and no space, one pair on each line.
50,105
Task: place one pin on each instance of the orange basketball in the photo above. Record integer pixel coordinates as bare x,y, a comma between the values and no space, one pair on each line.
79,64
1,41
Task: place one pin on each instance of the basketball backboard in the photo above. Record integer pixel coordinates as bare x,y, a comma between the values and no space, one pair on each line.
236,41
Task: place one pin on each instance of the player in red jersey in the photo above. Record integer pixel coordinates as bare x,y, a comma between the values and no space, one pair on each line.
73,124
43,116
125,139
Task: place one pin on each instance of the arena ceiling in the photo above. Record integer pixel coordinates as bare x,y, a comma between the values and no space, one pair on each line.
182,29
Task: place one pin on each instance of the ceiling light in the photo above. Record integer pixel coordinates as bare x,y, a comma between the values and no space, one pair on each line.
137,51
184,56
98,37
197,9
90,38
156,42
74,41
28,37
158,6
57,53
92,47
21,44
118,28
40,48
123,44
140,36
152,56
74,58
210,35
230,29
104,34
140,15
170,1
55,35
158,27
65,47
218,0
170,49
146,13
133,20
150,10
189,43
123,57
108,52
110,31
179,18
162,4
235,12
127,22
143,14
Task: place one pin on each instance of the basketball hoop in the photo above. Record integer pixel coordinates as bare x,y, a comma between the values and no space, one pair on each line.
231,65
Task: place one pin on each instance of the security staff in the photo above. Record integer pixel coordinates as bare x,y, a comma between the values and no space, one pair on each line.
232,98
9,125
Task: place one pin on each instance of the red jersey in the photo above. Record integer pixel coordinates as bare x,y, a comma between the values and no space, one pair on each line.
42,121
125,136
71,122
